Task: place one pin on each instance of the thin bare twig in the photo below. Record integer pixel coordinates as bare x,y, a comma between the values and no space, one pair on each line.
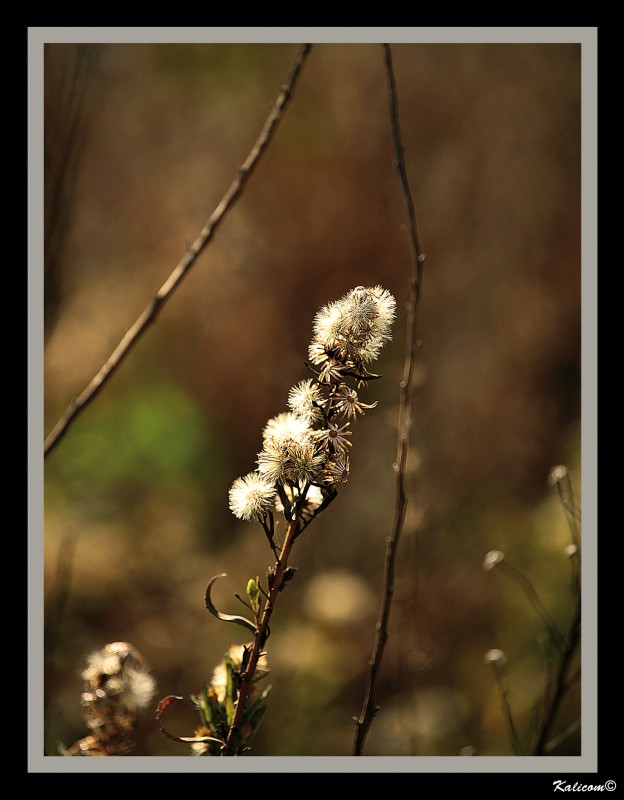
503,690
560,684
173,281
573,728
533,597
369,707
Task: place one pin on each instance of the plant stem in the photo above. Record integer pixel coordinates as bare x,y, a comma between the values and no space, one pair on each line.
503,688
537,604
559,684
260,638
369,707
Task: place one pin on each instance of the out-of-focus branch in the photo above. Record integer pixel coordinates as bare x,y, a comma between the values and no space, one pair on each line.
69,69
173,281
560,684
369,707
562,681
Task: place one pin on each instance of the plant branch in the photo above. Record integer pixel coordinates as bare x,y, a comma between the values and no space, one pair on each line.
537,604
573,728
261,636
184,265
559,685
369,707
503,690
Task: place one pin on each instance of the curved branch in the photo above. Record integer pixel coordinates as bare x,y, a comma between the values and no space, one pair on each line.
162,707
369,707
173,281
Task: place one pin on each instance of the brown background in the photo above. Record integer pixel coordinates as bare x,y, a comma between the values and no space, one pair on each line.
136,513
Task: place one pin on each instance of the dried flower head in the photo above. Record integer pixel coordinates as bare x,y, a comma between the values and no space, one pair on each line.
308,445
347,402
199,747
336,469
557,474
287,459
118,684
305,462
287,426
495,657
119,670
334,436
352,331
252,496
306,401
492,558
273,460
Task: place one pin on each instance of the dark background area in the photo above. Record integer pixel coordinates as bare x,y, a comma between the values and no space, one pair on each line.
141,143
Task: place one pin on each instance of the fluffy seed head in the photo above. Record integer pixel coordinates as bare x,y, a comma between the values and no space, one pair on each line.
252,496
286,426
353,329
306,400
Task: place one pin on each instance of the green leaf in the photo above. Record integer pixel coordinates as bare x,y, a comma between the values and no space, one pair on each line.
252,593
229,692
208,719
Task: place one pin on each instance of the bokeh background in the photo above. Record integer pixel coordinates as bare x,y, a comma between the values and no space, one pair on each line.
141,143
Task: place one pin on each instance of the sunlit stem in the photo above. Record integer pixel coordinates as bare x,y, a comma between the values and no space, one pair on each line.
262,634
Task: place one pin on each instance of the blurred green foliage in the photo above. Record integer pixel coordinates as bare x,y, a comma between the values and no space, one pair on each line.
151,435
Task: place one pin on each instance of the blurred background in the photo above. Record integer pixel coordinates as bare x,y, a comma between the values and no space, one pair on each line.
141,143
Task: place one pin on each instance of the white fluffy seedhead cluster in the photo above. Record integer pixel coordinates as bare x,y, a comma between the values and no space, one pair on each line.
349,333
305,451
118,684
118,671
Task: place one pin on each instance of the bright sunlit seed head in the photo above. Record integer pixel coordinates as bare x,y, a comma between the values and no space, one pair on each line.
557,474
273,460
235,655
118,670
306,401
289,459
305,462
494,656
252,496
492,558
386,309
286,426
200,748
327,322
353,329
359,313
309,444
